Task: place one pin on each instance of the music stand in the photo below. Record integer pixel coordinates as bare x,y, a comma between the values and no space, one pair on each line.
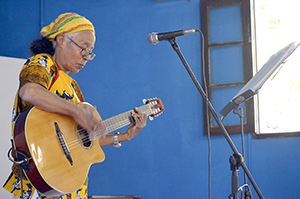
256,82
249,90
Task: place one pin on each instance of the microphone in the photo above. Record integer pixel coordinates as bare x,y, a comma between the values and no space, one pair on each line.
154,38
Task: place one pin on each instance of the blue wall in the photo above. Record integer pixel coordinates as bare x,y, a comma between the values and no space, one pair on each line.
169,158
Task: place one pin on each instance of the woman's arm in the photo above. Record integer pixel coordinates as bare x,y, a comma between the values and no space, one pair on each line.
134,128
43,99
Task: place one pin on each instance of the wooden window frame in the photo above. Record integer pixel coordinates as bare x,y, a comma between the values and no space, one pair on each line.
249,124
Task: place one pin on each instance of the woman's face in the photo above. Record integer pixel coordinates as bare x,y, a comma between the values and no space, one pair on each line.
68,57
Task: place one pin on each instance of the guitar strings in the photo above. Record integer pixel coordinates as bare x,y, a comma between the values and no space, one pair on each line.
83,137
111,124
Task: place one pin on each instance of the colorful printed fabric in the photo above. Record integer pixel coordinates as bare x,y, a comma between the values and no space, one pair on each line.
66,23
13,185
43,70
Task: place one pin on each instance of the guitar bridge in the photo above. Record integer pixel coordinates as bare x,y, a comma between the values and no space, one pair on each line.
63,143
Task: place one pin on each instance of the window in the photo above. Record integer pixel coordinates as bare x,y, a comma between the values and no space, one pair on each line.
239,39
227,53
278,100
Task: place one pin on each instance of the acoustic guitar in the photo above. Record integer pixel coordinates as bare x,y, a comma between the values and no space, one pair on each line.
59,152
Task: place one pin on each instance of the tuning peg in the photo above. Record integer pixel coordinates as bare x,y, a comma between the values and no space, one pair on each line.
150,118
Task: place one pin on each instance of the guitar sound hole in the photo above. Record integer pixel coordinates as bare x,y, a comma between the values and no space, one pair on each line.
84,137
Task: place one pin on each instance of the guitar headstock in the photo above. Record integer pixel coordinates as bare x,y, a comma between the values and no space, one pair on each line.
156,106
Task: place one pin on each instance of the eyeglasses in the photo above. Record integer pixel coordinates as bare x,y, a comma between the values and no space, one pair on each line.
84,51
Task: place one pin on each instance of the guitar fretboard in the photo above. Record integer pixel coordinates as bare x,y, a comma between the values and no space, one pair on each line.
123,119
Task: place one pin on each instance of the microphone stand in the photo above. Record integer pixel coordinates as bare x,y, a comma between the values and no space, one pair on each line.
236,159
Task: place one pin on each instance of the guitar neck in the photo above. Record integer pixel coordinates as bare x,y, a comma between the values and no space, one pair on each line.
123,119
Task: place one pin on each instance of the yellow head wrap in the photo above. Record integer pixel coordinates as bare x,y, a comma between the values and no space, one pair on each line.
66,23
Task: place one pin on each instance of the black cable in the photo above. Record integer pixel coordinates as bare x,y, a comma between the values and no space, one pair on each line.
207,113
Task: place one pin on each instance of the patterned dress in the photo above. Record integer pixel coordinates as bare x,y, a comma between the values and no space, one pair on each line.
43,70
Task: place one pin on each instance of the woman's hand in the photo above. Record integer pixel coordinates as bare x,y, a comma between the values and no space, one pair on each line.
89,119
137,125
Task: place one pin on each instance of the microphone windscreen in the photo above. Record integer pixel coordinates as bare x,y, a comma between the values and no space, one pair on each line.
152,38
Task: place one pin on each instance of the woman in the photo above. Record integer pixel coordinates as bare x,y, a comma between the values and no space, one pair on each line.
65,46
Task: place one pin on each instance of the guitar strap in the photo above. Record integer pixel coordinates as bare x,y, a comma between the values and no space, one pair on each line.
19,159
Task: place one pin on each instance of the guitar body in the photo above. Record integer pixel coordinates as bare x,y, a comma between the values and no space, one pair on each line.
60,153
51,172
